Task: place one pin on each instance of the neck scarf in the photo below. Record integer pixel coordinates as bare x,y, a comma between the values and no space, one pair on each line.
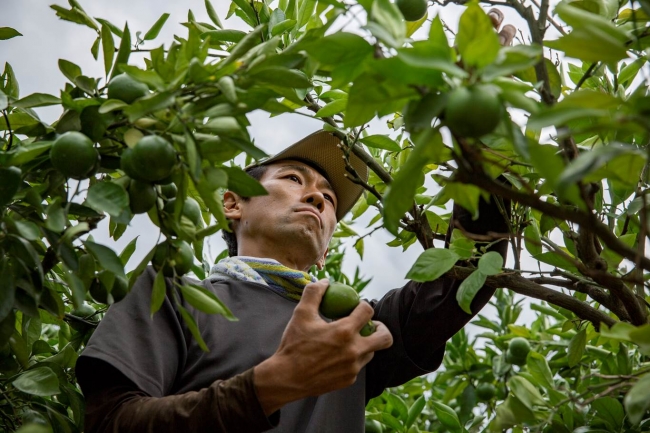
285,281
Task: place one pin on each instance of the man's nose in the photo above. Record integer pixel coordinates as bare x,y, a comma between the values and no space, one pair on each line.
317,199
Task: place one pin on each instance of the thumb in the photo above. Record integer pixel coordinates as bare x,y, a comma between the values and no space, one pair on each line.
313,293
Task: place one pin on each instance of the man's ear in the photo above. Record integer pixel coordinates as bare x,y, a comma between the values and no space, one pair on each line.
232,205
320,264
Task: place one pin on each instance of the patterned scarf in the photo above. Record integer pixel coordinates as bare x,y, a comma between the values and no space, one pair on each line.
285,281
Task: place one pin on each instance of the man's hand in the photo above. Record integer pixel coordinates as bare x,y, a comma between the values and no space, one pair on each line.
316,357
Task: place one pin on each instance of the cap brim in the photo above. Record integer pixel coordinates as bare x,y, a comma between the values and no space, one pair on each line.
321,148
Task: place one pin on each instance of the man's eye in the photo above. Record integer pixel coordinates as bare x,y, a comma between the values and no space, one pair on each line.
329,197
294,178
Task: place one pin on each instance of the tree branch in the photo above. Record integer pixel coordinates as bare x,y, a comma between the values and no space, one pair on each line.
521,285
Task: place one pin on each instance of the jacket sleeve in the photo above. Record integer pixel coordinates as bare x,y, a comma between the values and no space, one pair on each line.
423,316
114,404
129,369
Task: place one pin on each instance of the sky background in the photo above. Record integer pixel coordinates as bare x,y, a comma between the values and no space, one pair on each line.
46,39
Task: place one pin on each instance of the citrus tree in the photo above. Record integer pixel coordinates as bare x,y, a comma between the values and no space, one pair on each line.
555,126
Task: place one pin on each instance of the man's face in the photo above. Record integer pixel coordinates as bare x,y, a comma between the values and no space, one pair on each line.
297,217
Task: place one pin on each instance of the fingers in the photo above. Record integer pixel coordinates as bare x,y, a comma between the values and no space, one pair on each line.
312,295
497,18
507,34
361,314
380,339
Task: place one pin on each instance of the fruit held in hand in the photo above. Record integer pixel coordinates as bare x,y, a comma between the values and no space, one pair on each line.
368,329
74,155
173,256
473,111
126,89
338,301
412,10
152,159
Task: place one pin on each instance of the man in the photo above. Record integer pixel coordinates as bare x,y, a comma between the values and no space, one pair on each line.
281,366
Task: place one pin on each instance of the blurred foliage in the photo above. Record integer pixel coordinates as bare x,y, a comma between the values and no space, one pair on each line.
160,139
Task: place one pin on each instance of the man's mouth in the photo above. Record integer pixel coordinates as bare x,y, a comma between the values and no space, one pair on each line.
313,212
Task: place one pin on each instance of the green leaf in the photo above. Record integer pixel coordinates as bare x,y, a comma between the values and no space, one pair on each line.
388,17
128,250
447,416
577,347
148,104
116,30
432,264
415,410
34,428
149,77
246,44
539,369
490,263
124,51
477,42
107,197
381,142
593,38
226,35
398,404
282,77
112,105
106,257
212,199
108,48
204,300
41,381
588,162
158,292
611,411
213,14
468,290
242,183
526,392
153,32
36,100
8,290
333,108
533,238
399,196
191,324
637,399
8,33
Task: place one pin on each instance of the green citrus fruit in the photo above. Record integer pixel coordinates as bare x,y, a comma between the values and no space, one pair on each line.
173,255
191,209
338,301
74,155
126,89
514,360
473,111
485,391
9,184
120,289
151,159
142,196
83,311
412,10
368,329
373,426
519,347
99,292
169,191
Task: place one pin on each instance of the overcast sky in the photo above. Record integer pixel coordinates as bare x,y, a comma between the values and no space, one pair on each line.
46,39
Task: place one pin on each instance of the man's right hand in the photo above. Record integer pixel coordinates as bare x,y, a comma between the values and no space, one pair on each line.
316,357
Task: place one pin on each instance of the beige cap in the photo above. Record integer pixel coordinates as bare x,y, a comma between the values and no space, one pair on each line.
321,150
